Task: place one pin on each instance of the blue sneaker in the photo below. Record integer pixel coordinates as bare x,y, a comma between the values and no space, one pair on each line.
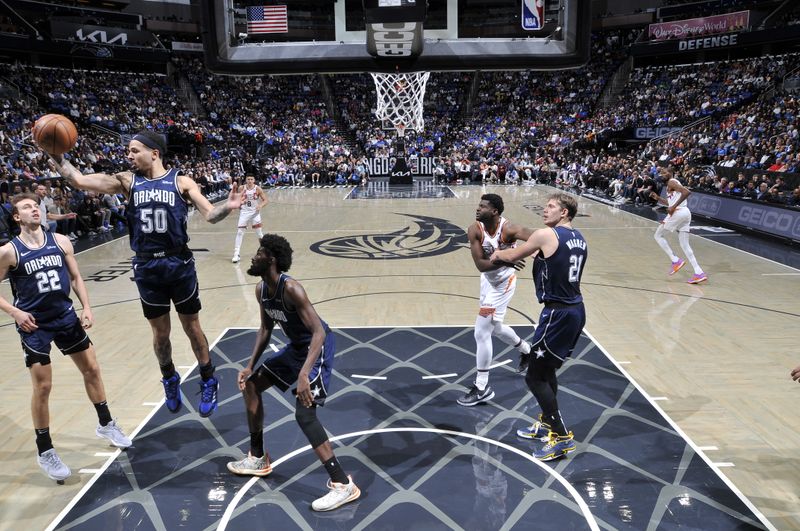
557,446
539,431
172,390
208,396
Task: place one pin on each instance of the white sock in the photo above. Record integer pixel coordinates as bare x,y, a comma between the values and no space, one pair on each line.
483,350
683,239
238,244
482,379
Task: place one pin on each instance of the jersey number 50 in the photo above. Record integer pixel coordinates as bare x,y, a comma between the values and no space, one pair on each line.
153,219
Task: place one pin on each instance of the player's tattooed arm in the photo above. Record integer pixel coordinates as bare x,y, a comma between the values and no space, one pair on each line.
98,182
218,213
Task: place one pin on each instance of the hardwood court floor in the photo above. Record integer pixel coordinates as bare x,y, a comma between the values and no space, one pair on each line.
718,353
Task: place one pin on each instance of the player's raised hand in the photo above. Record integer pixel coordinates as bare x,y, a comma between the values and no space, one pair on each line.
235,197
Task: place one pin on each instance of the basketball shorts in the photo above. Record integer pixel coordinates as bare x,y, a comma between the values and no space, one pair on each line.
171,279
252,218
679,221
558,332
283,369
496,297
67,333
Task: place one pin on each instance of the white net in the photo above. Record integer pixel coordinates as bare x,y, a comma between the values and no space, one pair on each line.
400,99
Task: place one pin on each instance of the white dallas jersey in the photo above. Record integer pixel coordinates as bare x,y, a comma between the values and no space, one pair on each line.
250,201
491,243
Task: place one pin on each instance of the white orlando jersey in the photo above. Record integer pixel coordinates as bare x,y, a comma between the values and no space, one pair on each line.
250,201
491,243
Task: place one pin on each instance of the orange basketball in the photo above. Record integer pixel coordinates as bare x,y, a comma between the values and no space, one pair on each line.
55,133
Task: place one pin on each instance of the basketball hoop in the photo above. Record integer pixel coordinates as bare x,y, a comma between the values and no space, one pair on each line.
400,99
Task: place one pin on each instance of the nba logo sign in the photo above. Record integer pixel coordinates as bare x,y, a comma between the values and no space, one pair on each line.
532,14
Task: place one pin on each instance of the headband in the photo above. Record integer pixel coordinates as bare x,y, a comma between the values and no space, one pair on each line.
149,142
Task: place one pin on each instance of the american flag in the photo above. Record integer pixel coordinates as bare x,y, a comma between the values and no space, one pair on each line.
267,19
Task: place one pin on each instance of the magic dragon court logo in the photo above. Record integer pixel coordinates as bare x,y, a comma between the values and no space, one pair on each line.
425,236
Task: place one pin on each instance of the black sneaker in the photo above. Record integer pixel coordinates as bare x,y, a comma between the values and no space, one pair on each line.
475,396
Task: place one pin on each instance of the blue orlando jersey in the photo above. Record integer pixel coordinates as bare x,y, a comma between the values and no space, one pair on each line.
290,321
558,277
157,214
40,282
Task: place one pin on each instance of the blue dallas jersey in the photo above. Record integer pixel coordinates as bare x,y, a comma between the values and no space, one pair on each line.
290,321
157,214
40,282
558,277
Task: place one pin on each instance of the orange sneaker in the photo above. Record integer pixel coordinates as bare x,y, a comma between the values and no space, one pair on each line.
697,279
676,266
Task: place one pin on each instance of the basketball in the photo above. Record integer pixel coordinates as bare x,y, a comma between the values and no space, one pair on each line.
55,133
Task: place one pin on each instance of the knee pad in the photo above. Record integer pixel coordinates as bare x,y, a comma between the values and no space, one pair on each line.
306,418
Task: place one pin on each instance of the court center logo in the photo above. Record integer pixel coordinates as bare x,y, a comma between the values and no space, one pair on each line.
425,236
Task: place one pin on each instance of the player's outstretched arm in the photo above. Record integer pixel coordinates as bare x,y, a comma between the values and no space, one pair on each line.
515,231
104,183
531,246
211,213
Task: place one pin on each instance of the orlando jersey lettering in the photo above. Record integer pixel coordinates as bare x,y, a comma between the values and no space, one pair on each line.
157,213
558,277
40,282
290,321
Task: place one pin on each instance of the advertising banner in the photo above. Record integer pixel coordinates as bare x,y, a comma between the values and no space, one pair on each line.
419,166
695,27
753,215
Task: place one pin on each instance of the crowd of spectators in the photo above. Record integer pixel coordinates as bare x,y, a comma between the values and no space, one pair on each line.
513,127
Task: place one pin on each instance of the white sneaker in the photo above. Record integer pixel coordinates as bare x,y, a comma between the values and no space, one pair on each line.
338,495
53,466
251,466
235,258
113,433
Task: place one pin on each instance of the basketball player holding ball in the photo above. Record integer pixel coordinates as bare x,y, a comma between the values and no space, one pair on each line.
163,267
